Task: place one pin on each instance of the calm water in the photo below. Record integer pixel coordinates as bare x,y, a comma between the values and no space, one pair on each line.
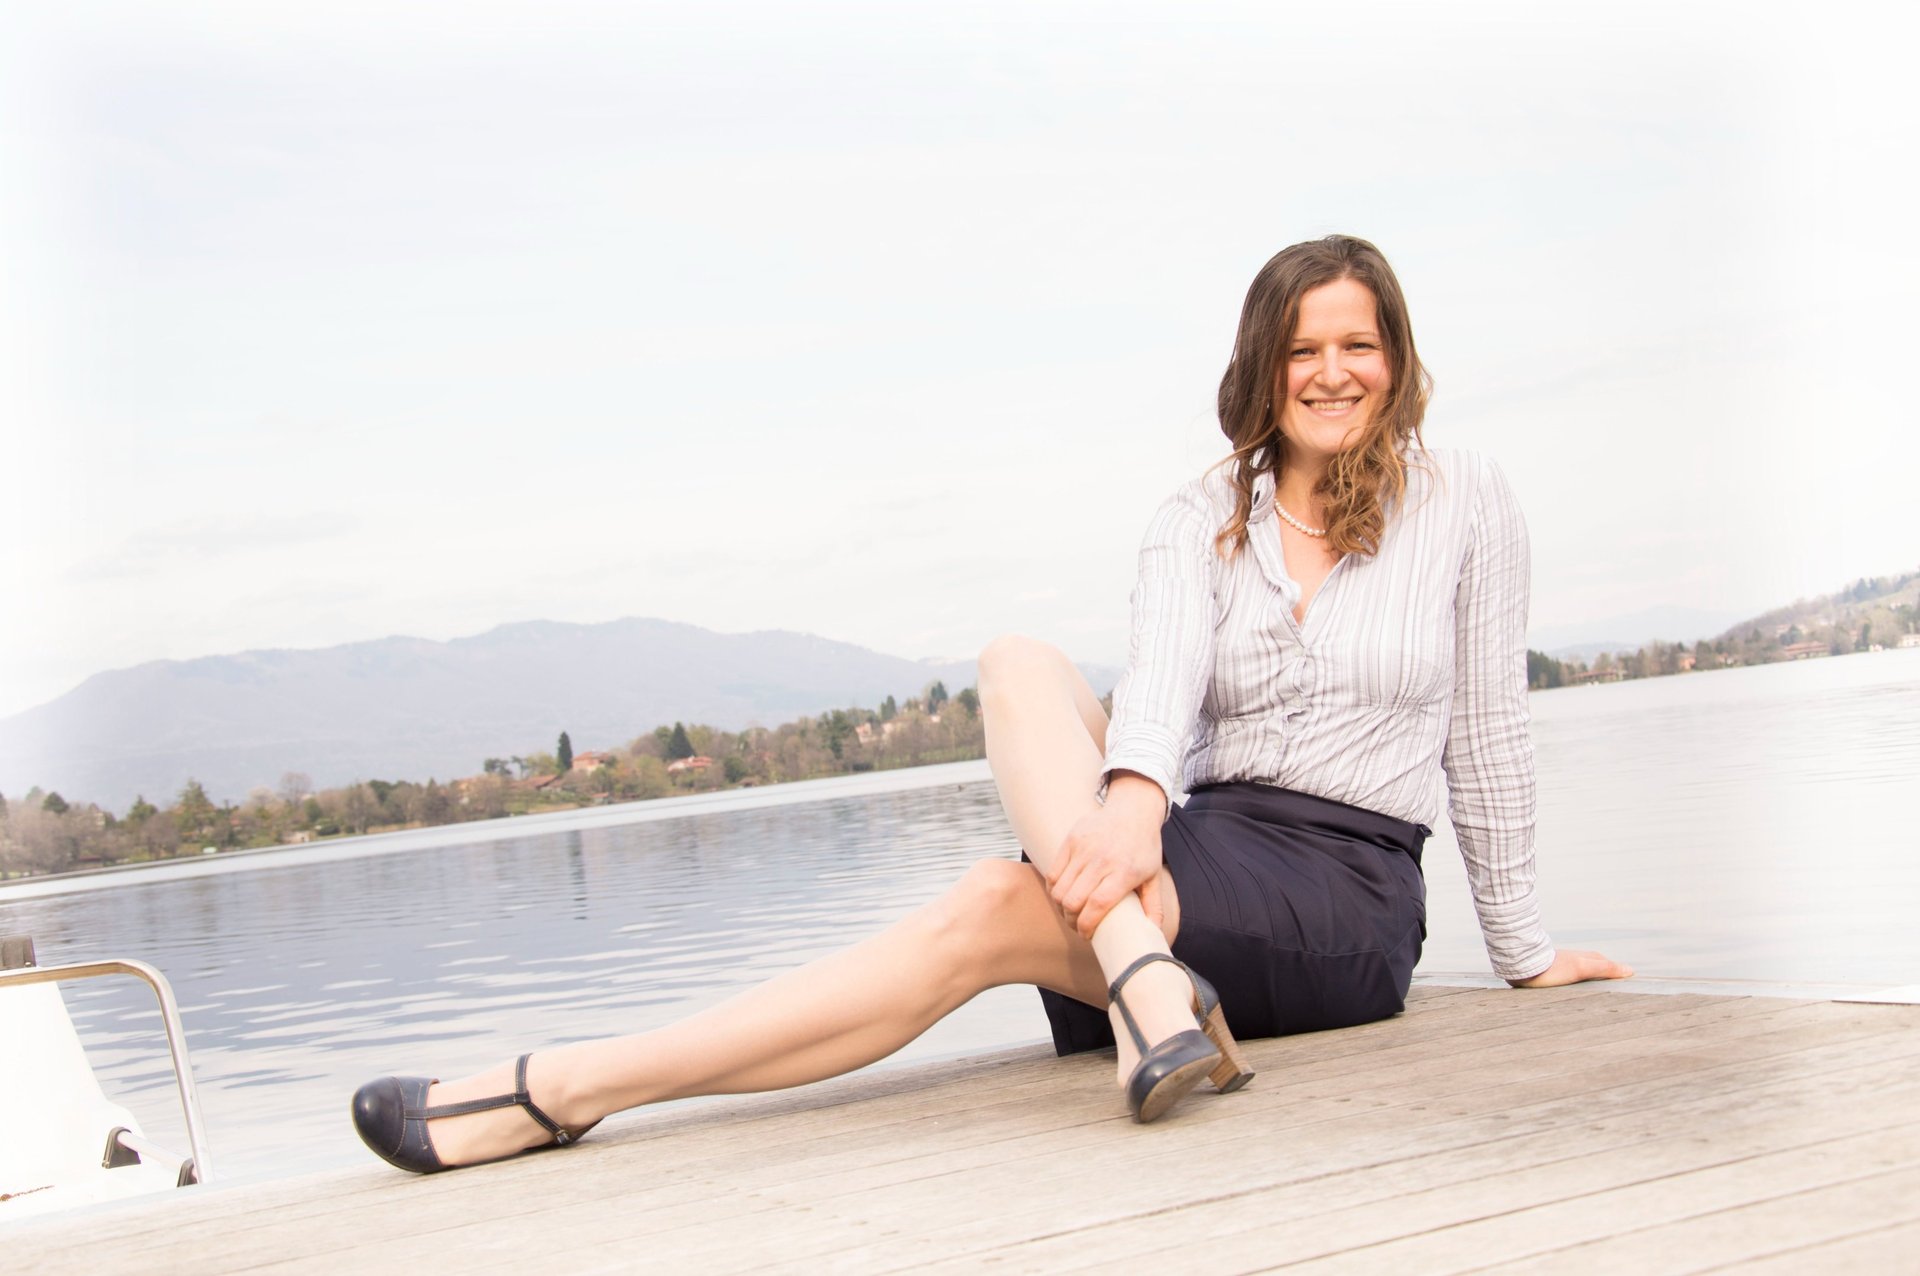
1743,824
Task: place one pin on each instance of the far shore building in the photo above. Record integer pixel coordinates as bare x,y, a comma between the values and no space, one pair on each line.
689,764
1908,641
1805,650
589,762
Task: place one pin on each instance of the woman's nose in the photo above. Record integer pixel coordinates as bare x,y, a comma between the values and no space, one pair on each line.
1331,373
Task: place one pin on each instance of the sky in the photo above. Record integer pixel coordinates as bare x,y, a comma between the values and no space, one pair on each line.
894,323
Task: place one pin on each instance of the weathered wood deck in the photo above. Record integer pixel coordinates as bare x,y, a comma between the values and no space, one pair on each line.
1589,1129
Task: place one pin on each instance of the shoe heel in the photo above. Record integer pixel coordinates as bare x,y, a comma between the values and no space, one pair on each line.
1233,1070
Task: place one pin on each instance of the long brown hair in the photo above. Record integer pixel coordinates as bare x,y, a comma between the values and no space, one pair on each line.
1363,477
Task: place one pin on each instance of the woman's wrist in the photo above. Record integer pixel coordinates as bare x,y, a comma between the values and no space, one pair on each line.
1129,792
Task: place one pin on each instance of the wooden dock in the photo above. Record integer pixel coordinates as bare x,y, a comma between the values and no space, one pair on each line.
1588,1129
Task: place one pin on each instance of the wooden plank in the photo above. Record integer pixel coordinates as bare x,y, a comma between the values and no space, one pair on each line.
1021,1182
1269,1199
1475,1105
1382,1201
448,1179
1765,1223
1879,1249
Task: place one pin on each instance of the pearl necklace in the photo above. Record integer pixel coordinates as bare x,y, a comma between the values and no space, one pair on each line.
1295,523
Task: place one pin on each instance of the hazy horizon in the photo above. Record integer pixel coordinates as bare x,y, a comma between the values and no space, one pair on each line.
1587,632
326,323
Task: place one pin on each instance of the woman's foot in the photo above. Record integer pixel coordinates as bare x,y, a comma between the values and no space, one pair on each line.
1161,998
424,1126
1166,1069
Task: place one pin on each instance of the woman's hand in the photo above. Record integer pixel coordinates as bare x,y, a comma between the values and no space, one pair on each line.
1111,853
1572,966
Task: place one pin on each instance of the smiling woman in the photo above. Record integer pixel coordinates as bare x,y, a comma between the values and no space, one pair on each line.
1286,894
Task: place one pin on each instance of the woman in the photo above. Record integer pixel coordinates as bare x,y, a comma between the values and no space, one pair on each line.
1319,623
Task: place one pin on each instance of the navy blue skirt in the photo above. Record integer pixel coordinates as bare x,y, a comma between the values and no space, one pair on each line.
1305,913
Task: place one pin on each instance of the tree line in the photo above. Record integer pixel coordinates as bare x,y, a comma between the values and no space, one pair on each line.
43,832
1873,612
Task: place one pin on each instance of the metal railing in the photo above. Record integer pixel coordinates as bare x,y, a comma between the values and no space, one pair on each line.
201,1165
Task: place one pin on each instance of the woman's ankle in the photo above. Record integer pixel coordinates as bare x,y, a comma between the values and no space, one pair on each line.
1160,997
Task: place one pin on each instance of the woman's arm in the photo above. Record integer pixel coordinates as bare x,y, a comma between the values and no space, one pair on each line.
1116,850
1489,755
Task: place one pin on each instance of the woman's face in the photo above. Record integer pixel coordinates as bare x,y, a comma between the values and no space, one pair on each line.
1333,373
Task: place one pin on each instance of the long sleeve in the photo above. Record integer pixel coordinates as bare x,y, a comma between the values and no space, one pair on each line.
1488,757
1170,655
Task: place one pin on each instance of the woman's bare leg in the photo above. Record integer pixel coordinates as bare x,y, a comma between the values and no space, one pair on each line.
995,926
1046,737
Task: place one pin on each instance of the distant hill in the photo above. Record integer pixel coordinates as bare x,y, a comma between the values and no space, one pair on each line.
1630,632
1872,613
408,708
1872,609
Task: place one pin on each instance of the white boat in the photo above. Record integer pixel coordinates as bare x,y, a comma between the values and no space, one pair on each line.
63,1143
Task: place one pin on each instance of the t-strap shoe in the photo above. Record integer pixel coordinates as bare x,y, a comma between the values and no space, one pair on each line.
1167,1071
391,1116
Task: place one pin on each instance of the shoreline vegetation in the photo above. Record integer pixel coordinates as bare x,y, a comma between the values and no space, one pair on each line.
1871,614
44,833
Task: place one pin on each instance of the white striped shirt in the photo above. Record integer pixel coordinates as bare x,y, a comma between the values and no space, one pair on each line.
1410,664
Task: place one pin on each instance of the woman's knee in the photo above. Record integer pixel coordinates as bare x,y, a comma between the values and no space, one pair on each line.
1012,659
986,911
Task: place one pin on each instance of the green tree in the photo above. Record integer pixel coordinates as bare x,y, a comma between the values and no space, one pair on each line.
1543,671
969,699
54,804
936,696
194,811
836,726
678,746
494,766
735,768
888,710
435,807
563,753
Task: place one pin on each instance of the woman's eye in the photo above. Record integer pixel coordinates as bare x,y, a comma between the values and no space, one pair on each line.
1303,353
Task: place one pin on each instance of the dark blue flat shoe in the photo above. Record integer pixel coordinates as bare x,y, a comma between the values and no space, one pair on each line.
391,1116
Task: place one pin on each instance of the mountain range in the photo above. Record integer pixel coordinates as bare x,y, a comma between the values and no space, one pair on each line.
408,708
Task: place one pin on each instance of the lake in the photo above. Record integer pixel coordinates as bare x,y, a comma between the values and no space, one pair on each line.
1746,824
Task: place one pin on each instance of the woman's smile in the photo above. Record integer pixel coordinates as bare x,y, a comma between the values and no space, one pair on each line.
1335,371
